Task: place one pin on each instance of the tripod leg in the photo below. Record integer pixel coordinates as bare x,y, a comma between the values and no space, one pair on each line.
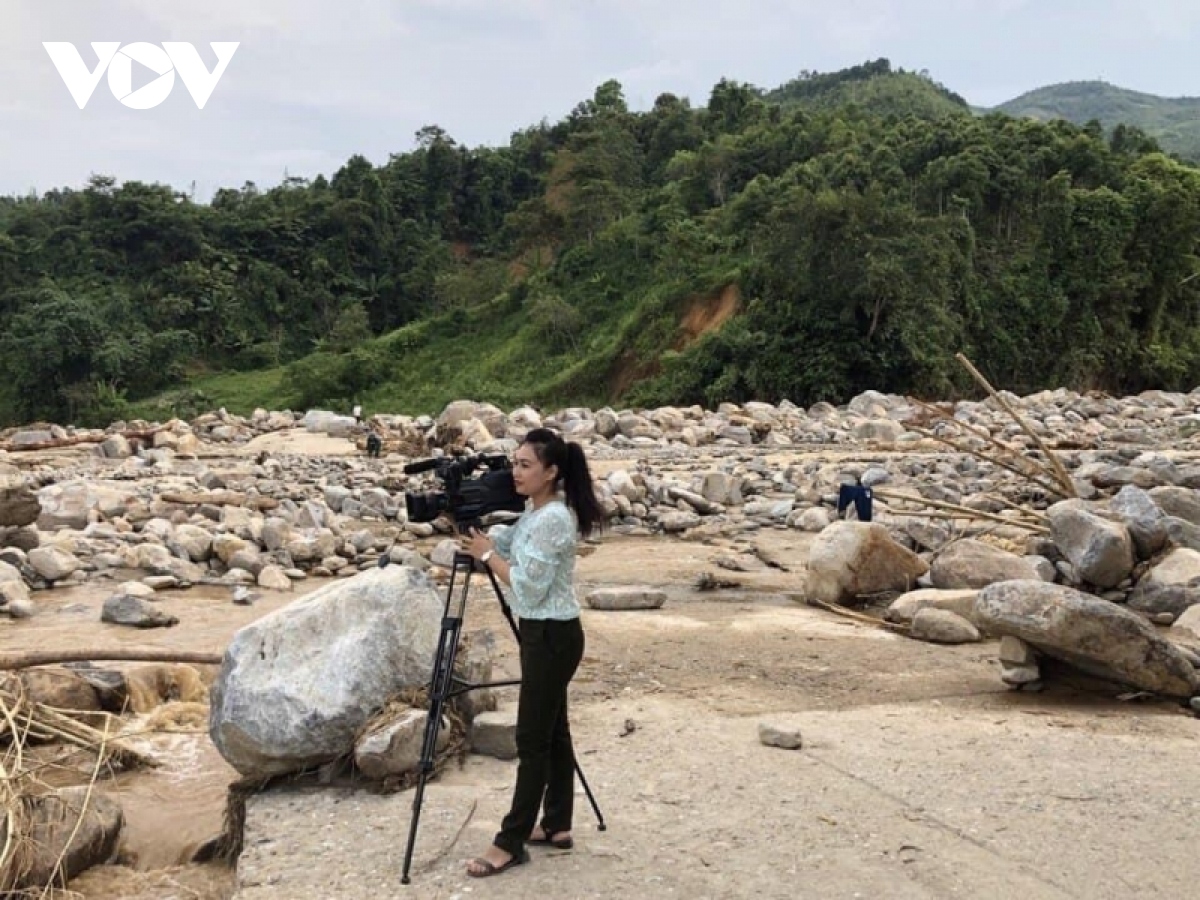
512,623
591,798
441,684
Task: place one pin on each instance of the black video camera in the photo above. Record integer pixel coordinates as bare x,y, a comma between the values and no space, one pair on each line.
466,499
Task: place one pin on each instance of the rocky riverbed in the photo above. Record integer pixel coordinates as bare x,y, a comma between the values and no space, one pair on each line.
725,587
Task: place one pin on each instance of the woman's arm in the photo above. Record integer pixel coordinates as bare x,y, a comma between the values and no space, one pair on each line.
479,544
502,538
539,556
531,567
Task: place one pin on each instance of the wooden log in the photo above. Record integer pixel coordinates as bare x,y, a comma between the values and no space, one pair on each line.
23,659
963,448
145,437
220,498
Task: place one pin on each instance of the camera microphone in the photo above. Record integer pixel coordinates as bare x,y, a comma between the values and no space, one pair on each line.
424,465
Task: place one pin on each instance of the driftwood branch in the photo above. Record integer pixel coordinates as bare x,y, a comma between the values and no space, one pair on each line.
23,659
999,445
964,511
54,443
1061,473
28,719
856,616
220,498
963,448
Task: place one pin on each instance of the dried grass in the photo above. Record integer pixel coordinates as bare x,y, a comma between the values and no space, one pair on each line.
456,744
22,783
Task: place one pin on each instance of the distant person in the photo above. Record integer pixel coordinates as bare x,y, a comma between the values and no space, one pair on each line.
374,443
859,496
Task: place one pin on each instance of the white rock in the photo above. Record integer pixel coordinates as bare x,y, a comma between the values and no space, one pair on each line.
776,734
297,685
627,597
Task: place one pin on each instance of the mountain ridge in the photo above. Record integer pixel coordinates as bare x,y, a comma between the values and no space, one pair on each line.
1172,121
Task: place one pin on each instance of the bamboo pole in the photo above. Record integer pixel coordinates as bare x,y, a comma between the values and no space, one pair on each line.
23,659
935,514
1000,445
966,511
984,435
962,448
1037,519
1063,477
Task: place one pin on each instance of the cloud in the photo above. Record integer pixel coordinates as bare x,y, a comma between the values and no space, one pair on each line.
315,81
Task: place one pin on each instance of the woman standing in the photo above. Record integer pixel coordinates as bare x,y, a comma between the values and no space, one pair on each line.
536,558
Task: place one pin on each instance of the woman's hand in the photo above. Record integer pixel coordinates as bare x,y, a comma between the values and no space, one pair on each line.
477,544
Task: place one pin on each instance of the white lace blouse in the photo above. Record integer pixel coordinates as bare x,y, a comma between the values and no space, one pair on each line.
540,549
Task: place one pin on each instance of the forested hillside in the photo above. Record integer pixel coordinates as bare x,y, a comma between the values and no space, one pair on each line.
874,87
1172,121
803,244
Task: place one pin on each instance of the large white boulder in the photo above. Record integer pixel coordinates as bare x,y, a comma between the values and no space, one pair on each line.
850,559
297,685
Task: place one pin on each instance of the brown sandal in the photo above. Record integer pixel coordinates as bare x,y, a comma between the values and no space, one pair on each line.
566,843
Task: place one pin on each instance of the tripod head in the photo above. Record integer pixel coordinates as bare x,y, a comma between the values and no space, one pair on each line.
461,559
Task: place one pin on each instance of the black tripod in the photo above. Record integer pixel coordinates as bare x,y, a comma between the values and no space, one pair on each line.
442,684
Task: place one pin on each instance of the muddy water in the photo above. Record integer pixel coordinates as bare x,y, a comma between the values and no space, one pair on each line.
172,810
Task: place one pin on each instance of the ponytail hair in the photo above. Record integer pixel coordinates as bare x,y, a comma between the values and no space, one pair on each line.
573,475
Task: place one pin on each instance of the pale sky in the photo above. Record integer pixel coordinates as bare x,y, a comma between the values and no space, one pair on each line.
316,81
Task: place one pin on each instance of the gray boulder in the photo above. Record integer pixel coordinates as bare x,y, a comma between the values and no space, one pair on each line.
1181,502
1100,551
1187,626
1142,516
720,487
126,609
55,840
905,607
973,564
627,597
312,545
67,504
196,542
495,733
32,437
1182,533
1171,586
940,626
1088,632
394,745
297,685
115,446
19,506
53,563
879,431
320,420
